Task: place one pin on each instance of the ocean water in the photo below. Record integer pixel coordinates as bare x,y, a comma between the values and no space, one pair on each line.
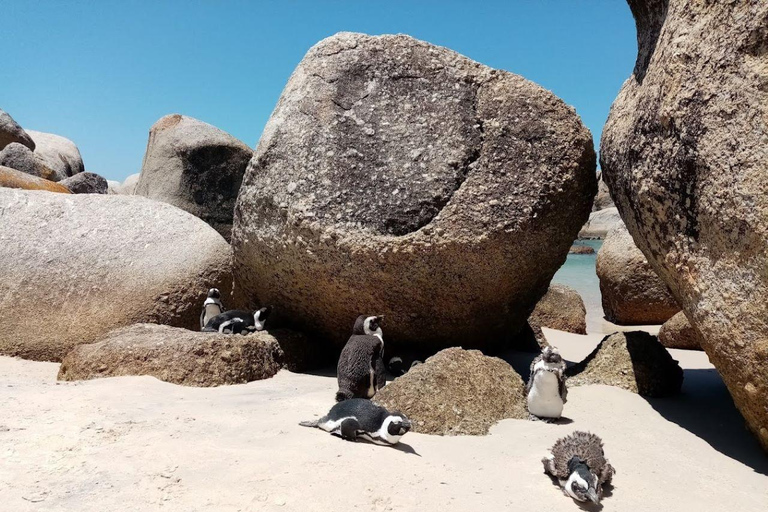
578,272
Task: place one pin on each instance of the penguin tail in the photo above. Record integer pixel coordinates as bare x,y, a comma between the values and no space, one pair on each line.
343,395
309,423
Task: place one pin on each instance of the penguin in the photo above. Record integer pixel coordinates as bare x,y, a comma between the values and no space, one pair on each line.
361,418
238,322
578,462
546,388
401,364
211,307
361,370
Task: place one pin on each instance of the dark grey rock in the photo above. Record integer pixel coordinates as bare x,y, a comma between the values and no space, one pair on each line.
20,157
86,183
10,131
196,167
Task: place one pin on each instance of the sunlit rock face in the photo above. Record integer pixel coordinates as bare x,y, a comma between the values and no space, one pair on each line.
400,178
685,155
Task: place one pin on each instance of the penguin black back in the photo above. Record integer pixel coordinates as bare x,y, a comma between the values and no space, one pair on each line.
361,371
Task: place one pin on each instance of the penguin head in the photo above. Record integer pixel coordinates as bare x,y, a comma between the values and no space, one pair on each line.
214,293
263,313
370,325
582,485
398,425
551,355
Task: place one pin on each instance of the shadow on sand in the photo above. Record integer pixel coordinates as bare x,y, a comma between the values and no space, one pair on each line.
705,409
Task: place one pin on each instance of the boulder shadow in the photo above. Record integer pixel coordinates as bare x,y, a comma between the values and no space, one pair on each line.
705,408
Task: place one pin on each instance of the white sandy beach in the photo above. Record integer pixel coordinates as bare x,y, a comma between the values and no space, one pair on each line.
136,443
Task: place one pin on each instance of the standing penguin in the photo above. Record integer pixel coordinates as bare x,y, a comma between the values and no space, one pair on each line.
238,322
547,392
211,307
578,462
358,417
361,370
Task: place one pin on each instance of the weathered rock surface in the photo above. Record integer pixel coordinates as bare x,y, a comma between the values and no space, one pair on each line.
561,308
10,131
603,198
113,186
457,392
600,223
81,266
632,293
404,179
685,154
11,178
196,167
86,183
59,153
634,361
581,249
128,186
677,332
19,157
179,356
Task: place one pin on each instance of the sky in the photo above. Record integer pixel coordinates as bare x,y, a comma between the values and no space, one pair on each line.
102,72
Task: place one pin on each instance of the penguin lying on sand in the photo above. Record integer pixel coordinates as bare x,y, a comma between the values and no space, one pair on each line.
579,463
358,417
547,392
238,322
361,370
211,307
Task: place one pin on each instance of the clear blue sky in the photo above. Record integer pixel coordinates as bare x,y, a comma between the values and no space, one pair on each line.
102,72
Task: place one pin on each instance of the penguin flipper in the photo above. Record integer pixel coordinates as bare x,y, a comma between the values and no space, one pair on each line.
529,384
563,389
549,465
606,475
349,428
202,319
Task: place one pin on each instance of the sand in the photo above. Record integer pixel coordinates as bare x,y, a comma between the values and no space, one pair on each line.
135,443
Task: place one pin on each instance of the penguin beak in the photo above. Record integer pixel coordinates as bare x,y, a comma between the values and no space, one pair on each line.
593,497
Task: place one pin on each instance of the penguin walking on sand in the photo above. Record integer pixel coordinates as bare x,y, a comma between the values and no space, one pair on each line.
238,322
211,307
361,371
578,462
546,389
360,418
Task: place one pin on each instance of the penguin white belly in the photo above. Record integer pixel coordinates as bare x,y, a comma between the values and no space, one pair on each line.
372,383
544,398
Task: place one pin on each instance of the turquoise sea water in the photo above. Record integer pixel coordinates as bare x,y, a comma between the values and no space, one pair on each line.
578,272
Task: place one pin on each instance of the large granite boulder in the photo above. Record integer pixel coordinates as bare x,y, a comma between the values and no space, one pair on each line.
457,392
11,178
128,186
400,178
632,293
196,167
10,131
86,183
75,267
58,153
600,223
634,361
179,356
20,157
677,332
685,154
562,308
